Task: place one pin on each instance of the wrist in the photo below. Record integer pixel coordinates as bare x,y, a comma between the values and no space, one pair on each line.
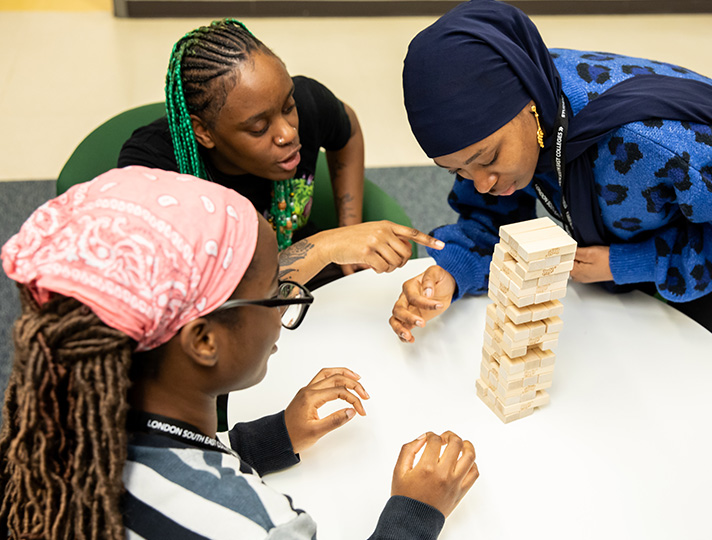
323,243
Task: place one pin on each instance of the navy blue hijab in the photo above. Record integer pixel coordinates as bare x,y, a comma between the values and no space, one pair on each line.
474,70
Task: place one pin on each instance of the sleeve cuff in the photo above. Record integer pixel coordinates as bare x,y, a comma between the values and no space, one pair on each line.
264,444
468,271
633,263
407,519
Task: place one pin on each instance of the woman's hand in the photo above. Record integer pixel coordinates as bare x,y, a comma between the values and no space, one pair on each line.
591,264
438,480
380,245
424,297
301,416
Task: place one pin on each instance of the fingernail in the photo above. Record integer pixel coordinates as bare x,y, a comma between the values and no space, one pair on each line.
428,292
350,413
401,335
438,306
422,437
440,243
420,323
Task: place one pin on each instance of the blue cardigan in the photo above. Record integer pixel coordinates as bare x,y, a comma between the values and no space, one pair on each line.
654,186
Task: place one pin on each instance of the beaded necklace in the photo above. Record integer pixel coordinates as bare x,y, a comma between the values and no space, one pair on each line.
282,212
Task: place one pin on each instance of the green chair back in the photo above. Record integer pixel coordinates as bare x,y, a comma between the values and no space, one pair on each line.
99,152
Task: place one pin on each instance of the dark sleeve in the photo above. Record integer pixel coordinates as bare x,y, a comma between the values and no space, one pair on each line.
317,105
150,146
469,242
404,518
264,444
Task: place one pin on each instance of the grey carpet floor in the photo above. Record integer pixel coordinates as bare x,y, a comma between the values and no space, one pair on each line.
421,191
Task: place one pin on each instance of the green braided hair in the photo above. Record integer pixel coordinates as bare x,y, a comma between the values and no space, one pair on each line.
201,73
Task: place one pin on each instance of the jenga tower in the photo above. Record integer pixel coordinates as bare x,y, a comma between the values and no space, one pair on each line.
529,272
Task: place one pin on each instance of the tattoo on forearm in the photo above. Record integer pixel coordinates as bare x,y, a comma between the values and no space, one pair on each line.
344,200
348,218
291,255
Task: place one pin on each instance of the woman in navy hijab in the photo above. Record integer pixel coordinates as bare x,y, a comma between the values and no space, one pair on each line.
618,149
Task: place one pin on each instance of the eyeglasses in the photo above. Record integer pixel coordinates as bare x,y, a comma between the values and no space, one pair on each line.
292,299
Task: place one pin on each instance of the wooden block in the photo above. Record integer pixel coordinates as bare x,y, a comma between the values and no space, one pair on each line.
507,418
485,394
543,243
513,399
506,231
508,344
525,273
553,324
552,278
521,301
558,293
541,399
491,316
498,275
517,332
492,296
518,315
521,379
497,296
488,337
506,364
531,287
501,254
510,387
514,350
546,310
501,313
537,328
541,264
548,358
489,399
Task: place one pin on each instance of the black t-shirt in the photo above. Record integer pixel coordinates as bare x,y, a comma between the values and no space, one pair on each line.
323,123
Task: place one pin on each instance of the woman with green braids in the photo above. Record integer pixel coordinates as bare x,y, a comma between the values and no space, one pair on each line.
237,118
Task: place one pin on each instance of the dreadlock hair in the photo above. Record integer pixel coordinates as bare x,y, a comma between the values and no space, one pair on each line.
63,440
201,73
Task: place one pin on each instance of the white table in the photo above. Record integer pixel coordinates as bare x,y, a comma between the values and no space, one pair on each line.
623,450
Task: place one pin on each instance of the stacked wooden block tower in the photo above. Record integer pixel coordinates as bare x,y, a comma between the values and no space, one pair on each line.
528,274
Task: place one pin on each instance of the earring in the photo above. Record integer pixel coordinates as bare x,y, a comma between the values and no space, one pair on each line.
539,131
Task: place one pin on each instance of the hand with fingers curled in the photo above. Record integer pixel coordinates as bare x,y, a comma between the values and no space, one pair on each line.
302,417
441,478
424,297
592,264
380,245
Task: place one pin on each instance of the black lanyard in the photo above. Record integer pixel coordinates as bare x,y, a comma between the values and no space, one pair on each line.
558,161
155,424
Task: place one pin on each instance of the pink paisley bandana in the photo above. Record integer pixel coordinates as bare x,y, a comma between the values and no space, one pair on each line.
147,250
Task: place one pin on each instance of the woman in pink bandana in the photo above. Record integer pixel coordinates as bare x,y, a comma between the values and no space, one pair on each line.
129,331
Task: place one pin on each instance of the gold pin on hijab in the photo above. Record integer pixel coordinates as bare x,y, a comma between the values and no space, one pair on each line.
539,131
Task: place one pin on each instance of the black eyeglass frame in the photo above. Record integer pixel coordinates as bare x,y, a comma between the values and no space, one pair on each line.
308,299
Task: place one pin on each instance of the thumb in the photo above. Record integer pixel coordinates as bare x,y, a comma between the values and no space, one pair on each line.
333,421
406,458
431,277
